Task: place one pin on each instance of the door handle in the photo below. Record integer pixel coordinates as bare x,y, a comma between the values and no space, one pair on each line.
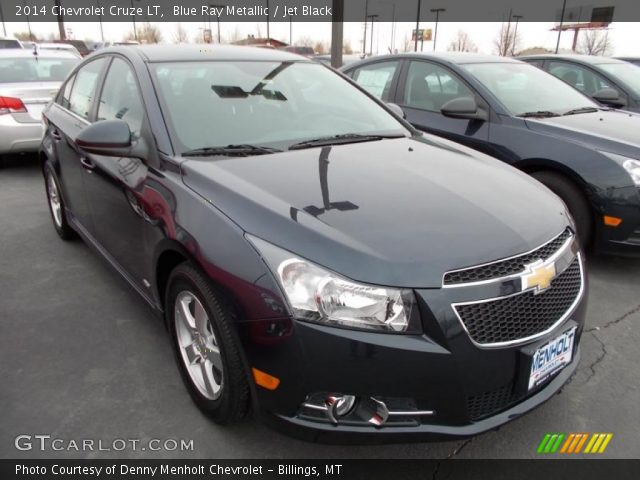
56,135
87,164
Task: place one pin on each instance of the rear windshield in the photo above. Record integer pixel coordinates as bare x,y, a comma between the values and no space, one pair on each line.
7,43
35,69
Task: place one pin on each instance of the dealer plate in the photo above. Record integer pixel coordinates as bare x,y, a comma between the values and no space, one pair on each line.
551,357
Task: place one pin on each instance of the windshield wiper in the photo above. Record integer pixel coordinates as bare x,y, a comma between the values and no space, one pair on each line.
577,111
231,151
340,139
539,113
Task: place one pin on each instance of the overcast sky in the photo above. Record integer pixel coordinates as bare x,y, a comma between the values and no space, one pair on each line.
625,36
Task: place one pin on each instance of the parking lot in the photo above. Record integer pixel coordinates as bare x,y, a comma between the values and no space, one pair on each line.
82,357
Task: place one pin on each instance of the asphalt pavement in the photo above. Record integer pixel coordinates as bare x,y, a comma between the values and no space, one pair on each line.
83,358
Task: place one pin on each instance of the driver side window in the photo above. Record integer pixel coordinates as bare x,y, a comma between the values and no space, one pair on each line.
578,77
120,98
430,86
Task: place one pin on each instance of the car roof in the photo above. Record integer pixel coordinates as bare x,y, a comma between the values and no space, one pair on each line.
584,59
456,58
180,53
28,53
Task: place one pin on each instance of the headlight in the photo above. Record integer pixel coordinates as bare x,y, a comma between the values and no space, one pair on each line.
631,165
316,294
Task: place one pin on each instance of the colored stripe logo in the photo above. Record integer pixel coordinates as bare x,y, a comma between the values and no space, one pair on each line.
574,443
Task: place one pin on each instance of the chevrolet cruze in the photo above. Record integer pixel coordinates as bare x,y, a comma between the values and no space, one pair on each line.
313,256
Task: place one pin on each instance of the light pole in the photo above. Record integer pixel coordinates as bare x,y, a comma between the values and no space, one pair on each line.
268,35
290,30
217,20
415,46
373,19
133,18
515,34
100,20
366,17
435,34
4,27
564,6
28,23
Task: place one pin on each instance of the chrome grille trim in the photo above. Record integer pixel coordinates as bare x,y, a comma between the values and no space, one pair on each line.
530,338
571,235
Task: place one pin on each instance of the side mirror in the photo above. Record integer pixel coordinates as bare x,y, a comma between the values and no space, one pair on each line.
609,96
110,138
397,110
464,108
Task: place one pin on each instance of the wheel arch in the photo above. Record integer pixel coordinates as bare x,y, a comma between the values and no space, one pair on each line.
169,254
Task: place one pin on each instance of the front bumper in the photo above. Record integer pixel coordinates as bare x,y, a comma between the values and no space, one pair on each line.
470,389
624,239
16,137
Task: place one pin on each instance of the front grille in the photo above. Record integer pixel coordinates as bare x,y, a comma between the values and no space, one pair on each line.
523,315
510,266
487,403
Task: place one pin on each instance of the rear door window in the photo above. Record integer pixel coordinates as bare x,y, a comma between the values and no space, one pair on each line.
376,78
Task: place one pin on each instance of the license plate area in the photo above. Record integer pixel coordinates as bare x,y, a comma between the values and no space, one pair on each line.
540,362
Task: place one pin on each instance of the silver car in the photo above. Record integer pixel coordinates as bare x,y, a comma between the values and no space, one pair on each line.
28,82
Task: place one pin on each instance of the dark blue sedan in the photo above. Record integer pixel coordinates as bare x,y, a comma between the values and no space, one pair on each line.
587,154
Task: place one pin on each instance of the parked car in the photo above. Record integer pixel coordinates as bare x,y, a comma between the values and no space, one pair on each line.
28,82
346,59
611,82
7,43
299,50
79,45
634,60
586,154
312,254
65,47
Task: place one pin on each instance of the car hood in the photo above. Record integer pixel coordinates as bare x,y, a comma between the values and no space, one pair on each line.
397,212
610,130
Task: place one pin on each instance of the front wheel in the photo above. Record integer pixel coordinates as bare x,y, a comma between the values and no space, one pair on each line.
206,345
575,201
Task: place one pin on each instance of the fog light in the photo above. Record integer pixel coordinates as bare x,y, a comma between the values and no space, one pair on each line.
339,406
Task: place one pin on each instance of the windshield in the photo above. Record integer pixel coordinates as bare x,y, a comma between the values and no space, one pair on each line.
35,70
626,72
523,88
215,103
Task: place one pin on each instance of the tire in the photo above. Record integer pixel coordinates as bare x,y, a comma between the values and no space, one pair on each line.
56,204
575,201
189,296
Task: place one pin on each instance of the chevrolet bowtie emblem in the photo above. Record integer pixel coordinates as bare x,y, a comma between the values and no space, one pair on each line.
538,276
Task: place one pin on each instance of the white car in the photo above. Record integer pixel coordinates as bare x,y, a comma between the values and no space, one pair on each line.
28,82
63,47
7,43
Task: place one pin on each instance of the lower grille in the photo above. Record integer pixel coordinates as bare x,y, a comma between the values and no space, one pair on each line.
523,315
487,403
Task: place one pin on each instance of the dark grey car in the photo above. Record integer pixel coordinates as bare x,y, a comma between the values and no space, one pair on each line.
587,154
612,82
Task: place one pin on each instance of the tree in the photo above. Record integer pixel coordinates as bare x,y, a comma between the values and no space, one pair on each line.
508,41
462,43
305,41
595,42
26,37
180,35
321,48
346,48
149,34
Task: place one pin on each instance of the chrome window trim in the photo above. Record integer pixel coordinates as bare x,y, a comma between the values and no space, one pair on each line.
507,277
521,341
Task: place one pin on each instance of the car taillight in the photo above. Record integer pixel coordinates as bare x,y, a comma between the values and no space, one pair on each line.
11,105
